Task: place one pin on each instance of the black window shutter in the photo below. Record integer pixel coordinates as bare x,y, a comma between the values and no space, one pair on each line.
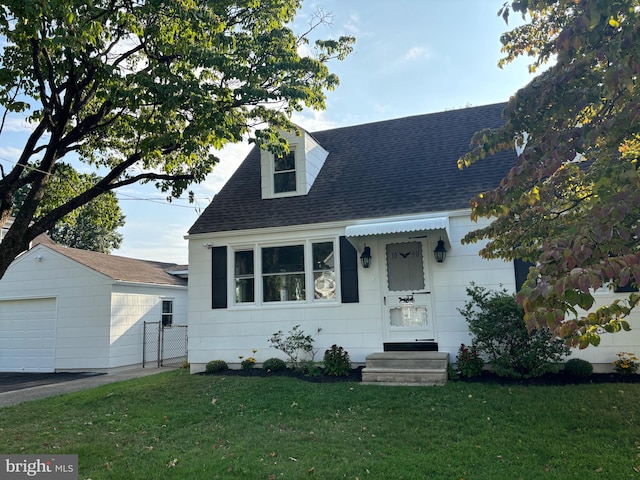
628,288
219,277
348,271
521,269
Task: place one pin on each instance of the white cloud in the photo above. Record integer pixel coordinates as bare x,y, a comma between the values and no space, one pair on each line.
352,25
7,152
313,120
416,53
14,123
231,156
169,247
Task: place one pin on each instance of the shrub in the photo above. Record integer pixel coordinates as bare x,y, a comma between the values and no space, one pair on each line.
452,373
295,345
627,363
249,362
468,361
576,367
496,323
274,364
215,366
310,368
337,362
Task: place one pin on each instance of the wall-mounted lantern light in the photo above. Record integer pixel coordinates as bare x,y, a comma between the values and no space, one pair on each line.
440,253
365,258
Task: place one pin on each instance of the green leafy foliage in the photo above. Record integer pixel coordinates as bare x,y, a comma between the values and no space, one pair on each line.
249,362
469,363
92,226
336,361
310,368
274,364
571,202
626,364
296,345
215,366
499,332
147,92
576,367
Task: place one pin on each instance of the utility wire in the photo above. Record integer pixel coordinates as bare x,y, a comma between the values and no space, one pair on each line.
120,193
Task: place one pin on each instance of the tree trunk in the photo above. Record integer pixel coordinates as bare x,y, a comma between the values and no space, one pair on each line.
11,246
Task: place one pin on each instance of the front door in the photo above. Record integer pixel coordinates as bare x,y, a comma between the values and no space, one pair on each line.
407,294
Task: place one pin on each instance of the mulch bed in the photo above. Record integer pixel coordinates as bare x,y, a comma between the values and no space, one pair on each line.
487,377
354,376
553,379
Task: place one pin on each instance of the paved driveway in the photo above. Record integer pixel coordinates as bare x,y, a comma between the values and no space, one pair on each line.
22,387
11,381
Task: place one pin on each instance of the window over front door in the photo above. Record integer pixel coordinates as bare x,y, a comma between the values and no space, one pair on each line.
405,269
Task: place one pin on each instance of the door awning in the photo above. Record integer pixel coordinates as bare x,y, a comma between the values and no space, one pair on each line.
398,226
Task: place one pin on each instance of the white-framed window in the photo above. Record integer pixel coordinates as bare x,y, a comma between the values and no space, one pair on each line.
324,270
300,272
167,313
284,172
283,275
244,276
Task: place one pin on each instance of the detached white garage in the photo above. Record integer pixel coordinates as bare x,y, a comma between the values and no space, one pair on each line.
64,309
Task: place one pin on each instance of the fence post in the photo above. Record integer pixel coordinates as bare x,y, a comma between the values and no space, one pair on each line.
160,328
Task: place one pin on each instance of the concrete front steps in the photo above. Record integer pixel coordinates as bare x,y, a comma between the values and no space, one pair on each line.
406,368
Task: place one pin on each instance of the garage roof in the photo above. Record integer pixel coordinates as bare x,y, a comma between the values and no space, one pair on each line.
123,268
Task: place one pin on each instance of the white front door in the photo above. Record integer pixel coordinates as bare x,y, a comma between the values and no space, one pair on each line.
407,308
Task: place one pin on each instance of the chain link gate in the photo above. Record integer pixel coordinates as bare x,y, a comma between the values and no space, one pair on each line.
164,346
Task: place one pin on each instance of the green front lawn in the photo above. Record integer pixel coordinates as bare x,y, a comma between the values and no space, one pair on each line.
176,425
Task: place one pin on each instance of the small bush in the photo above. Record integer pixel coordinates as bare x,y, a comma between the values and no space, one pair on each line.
337,362
215,366
576,367
627,363
468,361
274,364
497,325
295,345
452,373
249,362
310,368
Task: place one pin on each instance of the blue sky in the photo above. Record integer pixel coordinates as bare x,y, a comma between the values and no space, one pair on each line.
411,57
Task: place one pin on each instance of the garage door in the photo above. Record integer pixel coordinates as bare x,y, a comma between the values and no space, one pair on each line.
27,335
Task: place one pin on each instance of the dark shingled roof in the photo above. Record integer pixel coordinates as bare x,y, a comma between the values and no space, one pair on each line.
123,268
395,167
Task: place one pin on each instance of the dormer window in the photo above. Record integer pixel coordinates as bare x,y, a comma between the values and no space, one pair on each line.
293,173
284,174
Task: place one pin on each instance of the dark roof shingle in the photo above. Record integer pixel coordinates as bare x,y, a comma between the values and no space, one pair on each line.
123,268
396,167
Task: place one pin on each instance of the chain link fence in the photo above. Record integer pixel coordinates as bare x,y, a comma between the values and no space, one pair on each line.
164,346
